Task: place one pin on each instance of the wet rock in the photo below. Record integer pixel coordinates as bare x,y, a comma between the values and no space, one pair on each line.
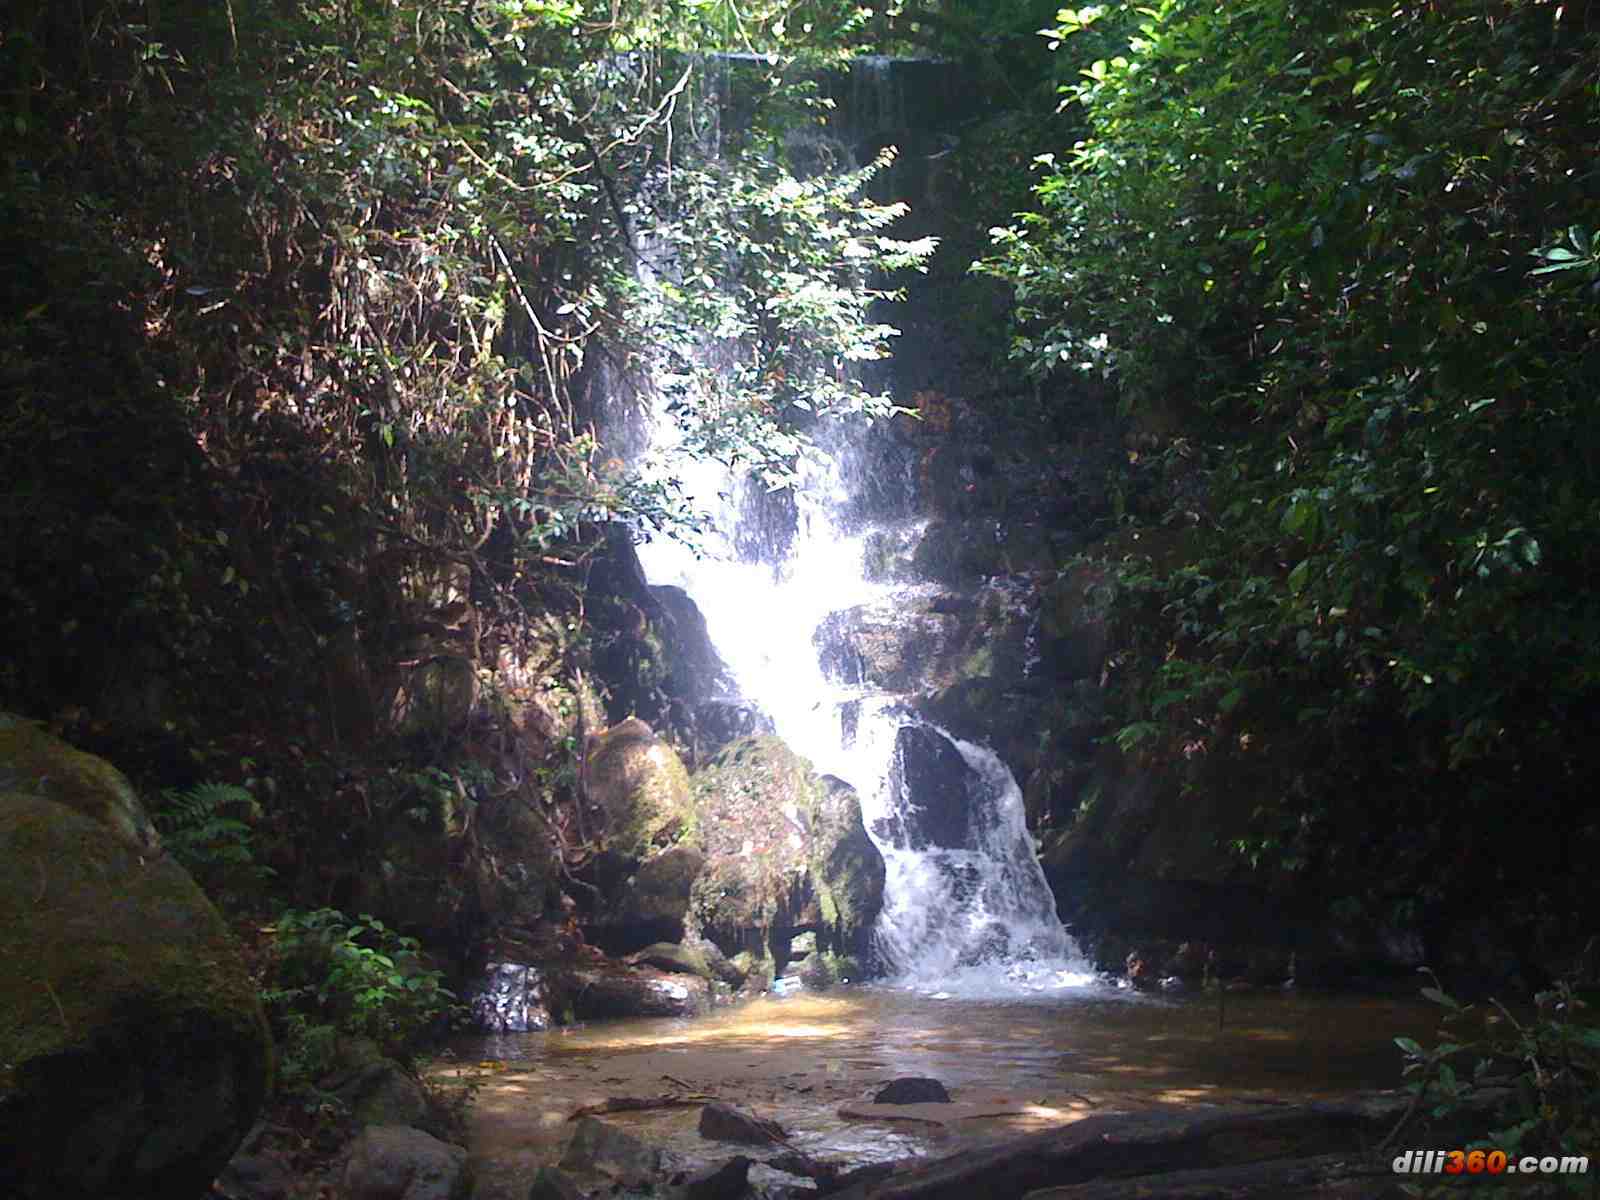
848,872
928,768
511,998
641,786
1192,961
605,1149
719,722
724,1123
898,645
913,1089
604,991
672,958
728,1181
134,1055
552,1183
724,969
1140,973
393,1162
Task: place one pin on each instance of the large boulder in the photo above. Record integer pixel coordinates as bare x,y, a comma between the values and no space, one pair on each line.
34,762
134,1054
396,1162
641,787
785,851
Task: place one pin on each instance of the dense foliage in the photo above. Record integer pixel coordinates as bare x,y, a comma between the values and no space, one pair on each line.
1340,262
311,314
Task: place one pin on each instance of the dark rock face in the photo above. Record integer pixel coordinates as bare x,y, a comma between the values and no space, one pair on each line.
650,907
913,1090
929,768
724,1123
133,1051
552,1183
511,999
719,722
728,1181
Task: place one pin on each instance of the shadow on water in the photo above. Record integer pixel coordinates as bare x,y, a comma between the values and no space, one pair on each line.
1015,1065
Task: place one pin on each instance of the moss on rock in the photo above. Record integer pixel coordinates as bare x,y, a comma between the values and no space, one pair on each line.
35,762
134,1053
642,785
784,848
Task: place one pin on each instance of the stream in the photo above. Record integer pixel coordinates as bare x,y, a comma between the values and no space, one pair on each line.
1010,1067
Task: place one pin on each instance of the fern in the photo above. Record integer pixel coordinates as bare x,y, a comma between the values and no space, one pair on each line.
200,830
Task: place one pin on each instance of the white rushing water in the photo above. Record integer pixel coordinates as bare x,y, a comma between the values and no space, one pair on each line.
973,920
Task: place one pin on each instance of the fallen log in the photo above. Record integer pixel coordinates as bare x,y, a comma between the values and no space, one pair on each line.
1154,1142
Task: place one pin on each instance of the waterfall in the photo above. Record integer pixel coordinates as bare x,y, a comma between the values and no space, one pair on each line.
967,909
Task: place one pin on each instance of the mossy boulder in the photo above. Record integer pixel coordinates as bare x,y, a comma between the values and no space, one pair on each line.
134,1054
785,850
847,872
35,762
653,905
642,788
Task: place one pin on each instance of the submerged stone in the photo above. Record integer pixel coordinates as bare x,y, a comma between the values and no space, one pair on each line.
913,1089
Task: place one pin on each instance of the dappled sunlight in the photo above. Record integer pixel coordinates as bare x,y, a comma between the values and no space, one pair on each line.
814,1063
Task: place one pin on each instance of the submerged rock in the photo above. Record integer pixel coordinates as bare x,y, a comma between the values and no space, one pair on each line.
134,1055
913,1089
725,1123
726,1181
552,1183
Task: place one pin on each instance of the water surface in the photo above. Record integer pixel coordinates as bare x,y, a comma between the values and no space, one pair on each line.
1038,1061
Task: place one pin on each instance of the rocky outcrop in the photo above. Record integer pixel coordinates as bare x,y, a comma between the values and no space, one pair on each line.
640,787
786,853
133,1050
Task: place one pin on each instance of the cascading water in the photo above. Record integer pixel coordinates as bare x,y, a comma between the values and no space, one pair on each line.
967,908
